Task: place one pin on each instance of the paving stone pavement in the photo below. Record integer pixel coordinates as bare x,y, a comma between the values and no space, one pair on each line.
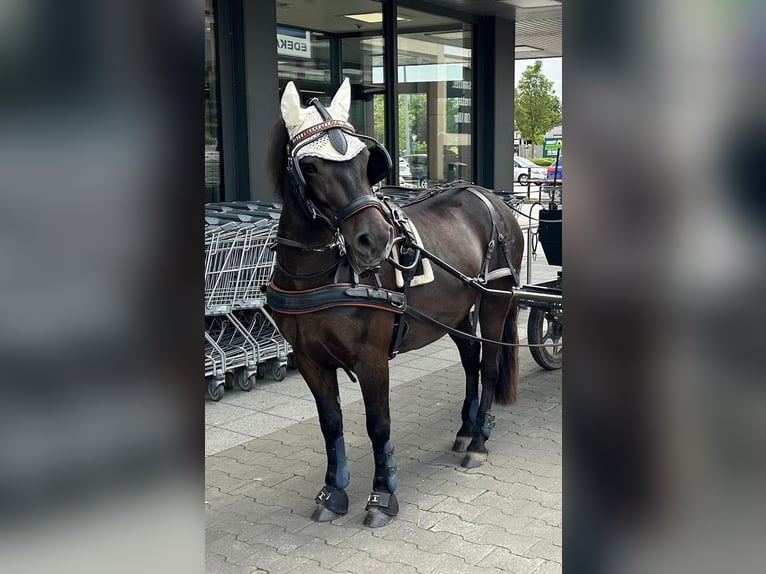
502,517
265,462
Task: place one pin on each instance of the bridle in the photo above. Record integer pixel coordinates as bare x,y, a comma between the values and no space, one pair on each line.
335,130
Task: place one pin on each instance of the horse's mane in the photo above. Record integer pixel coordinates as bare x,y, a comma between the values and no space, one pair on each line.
276,162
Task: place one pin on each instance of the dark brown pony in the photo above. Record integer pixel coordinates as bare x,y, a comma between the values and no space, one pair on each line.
454,225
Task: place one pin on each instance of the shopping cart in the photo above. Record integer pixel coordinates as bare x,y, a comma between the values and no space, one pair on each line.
241,337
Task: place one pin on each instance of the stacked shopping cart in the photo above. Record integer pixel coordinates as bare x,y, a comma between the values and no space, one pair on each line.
241,338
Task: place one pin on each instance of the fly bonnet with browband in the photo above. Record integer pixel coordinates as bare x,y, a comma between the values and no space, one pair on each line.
325,133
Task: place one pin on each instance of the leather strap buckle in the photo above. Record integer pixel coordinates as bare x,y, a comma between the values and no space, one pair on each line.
323,496
378,499
487,421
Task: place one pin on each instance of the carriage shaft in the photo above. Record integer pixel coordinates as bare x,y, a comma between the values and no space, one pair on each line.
537,294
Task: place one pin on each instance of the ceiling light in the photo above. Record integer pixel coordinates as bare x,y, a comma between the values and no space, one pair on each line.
447,35
371,17
532,3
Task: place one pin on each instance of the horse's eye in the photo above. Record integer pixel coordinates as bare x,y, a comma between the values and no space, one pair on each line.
309,168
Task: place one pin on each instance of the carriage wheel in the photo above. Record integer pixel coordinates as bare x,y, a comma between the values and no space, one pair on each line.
545,327
260,371
245,383
215,389
291,362
278,371
228,382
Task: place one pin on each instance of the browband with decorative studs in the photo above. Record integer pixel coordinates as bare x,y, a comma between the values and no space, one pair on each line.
319,128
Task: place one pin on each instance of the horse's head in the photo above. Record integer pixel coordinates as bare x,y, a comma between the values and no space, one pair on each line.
333,171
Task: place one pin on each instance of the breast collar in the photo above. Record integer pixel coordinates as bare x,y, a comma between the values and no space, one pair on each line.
336,293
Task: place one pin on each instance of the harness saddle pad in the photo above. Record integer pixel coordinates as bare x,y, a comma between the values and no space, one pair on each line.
426,274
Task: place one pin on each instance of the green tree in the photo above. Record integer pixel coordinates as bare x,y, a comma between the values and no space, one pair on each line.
378,108
417,119
536,106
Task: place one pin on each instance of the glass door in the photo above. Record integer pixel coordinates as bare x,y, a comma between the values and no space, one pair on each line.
435,98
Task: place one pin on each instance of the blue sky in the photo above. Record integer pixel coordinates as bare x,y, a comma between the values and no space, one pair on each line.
551,69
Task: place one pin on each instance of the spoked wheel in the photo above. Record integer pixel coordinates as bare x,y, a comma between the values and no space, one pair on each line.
545,327
244,382
215,389
523,179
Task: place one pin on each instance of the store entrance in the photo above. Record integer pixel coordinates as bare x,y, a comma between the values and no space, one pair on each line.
434,68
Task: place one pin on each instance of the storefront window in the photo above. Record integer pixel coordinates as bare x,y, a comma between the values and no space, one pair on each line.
304,57
435,101
434,70
213,179
362,55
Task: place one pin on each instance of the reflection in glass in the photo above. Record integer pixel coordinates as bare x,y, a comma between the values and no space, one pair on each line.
213,178
304,57
361,55
435,103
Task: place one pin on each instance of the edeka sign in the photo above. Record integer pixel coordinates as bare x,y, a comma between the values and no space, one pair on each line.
551,146
293,43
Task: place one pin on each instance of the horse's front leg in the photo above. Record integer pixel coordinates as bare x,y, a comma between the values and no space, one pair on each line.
382,504
332,500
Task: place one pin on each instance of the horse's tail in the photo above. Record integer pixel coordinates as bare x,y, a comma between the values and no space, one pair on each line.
507,386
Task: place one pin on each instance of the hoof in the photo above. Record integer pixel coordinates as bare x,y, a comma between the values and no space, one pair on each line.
461,443
474,459
375,518
322,514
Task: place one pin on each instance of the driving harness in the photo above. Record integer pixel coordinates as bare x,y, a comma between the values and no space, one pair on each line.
354,294
411,254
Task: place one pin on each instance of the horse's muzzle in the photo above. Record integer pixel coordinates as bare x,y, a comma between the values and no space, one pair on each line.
369,248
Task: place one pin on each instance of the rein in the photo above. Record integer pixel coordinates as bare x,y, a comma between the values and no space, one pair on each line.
336,294
353,295
463,335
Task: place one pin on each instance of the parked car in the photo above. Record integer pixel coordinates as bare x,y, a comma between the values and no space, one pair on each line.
404,169
419,167
555,168
524,168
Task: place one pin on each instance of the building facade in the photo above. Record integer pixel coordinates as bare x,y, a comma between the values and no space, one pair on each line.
431,80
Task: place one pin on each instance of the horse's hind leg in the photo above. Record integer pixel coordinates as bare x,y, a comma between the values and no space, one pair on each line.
470,352
382,504
492,317
332,500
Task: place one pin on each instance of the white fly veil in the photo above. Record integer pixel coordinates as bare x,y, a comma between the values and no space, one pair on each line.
298,119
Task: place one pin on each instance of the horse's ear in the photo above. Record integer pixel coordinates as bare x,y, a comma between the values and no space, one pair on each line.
292,112
341,102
